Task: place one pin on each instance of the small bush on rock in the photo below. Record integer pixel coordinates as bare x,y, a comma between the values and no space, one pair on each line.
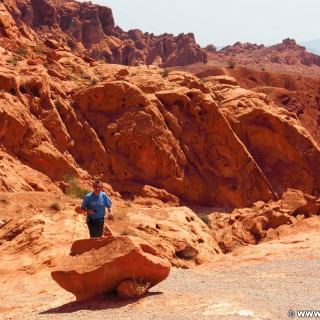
206,220
55,206
74,189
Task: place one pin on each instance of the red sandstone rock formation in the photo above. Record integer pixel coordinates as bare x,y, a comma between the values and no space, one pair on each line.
295,93
90,29
185,240
173,136
286,53
263,221
148,132
97,266
270,136
149,150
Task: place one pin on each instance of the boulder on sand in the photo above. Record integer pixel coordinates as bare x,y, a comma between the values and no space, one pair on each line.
99,265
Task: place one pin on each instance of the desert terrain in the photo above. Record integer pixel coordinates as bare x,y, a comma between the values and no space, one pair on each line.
263,281
211,159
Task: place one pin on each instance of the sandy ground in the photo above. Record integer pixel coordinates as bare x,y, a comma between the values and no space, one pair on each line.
255,282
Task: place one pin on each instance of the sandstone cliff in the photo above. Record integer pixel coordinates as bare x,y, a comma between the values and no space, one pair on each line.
146,131
299,94
139,126
90,29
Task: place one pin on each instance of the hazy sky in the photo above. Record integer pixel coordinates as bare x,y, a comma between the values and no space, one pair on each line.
221,22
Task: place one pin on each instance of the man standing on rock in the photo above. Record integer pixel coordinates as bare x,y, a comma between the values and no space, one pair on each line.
94,205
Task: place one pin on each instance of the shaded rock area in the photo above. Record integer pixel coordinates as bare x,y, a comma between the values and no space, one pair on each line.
97,266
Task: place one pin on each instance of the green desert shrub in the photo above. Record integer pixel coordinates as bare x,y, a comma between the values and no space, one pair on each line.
231,64
22,51
74,189
13,61
164,73
55,206
206,220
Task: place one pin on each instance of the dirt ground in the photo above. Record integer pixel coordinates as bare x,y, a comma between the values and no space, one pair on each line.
254,282
258,282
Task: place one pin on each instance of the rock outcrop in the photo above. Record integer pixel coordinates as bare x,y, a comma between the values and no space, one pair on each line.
89,28
151,132
170,131
186,241
286,53
263,222
185,168
97,266
296,93
270,136
33,236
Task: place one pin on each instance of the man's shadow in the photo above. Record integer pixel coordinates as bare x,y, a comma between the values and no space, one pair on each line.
102,302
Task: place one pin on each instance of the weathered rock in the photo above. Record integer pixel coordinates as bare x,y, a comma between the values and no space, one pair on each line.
163,161
186,241
276,140
15,177
296,202
97,266
261,223
8,27
129,289
286,53
34,236
38,150
90,28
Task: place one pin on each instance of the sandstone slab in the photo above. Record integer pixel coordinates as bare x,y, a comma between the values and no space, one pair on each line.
97,266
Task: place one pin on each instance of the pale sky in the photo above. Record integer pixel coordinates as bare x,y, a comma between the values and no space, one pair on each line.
221,22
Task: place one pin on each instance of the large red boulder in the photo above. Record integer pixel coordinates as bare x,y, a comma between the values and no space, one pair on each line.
97,266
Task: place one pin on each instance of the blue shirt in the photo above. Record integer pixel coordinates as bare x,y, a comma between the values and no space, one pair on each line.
97,203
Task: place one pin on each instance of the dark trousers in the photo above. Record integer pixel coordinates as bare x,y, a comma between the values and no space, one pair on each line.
95,228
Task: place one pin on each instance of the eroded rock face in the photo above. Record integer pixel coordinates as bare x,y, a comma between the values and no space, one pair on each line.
296,93
276,140
186,241
97,266
151,149
91,29
263,221
151,133
34,236
288,52
171,134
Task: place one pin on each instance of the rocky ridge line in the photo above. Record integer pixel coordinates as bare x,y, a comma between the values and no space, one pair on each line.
90,29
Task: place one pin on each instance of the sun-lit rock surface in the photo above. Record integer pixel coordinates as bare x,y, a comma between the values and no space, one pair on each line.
239,146
97,266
